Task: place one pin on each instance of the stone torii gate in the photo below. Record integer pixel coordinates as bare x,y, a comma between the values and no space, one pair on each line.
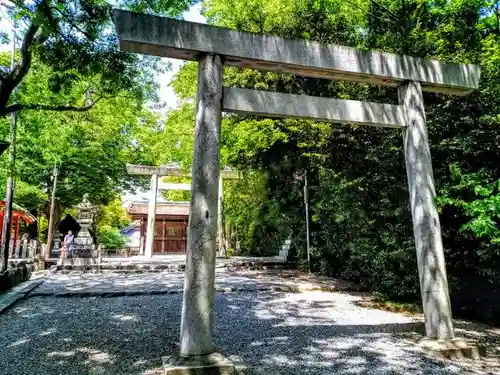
158,184
214,47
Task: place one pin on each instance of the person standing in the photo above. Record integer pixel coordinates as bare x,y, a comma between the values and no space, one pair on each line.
68,243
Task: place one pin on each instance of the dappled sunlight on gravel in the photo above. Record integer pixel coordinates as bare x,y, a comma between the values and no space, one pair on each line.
261,331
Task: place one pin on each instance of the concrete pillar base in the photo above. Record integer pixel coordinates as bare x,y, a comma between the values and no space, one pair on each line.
452,348
211,364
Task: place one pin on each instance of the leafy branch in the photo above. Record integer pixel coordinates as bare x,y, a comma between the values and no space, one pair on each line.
47,107
90,103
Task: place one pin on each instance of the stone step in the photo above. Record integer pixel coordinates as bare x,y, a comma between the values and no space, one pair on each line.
165,267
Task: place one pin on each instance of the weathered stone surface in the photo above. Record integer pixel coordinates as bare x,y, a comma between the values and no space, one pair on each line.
168,37
17,293
426,226
211,364
277,104
452,348
84,242
17,273
78,262
148,170
197,313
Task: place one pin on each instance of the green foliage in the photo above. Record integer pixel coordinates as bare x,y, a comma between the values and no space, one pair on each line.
111,239
110,219
99,100
90,148
73,38
177,195
177,137
170,140
112,215
43,227
185,82
73,61
479,202
27,195
252,219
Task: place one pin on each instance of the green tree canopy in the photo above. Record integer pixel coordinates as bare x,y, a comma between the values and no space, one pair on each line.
76,39
90,148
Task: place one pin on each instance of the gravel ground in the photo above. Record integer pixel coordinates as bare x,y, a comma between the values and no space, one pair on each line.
77,282
263,332
149,282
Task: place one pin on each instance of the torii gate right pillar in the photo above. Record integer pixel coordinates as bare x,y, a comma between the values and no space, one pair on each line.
426,227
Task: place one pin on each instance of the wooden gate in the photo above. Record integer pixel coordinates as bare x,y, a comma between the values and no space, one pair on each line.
170,236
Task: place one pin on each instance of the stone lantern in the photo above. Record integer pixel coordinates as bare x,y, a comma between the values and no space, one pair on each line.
84,242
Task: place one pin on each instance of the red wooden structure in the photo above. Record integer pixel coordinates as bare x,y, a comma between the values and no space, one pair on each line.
18,214
171,222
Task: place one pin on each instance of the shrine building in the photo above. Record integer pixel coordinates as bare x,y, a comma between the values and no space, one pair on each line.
171,221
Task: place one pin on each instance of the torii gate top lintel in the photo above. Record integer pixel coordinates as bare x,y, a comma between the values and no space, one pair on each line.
185,40
162,171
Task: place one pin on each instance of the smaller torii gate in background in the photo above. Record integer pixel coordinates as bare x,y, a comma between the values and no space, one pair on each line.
212,47
157,184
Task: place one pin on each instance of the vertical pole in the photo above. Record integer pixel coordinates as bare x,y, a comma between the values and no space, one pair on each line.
426,227
38,216
150,230
16,238
141,238
197,307
51,213
16,234
220,223
306,201
25,249
9,194
11,242
163,234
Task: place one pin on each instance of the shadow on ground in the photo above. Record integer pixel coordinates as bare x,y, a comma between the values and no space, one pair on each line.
262,332
76,283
